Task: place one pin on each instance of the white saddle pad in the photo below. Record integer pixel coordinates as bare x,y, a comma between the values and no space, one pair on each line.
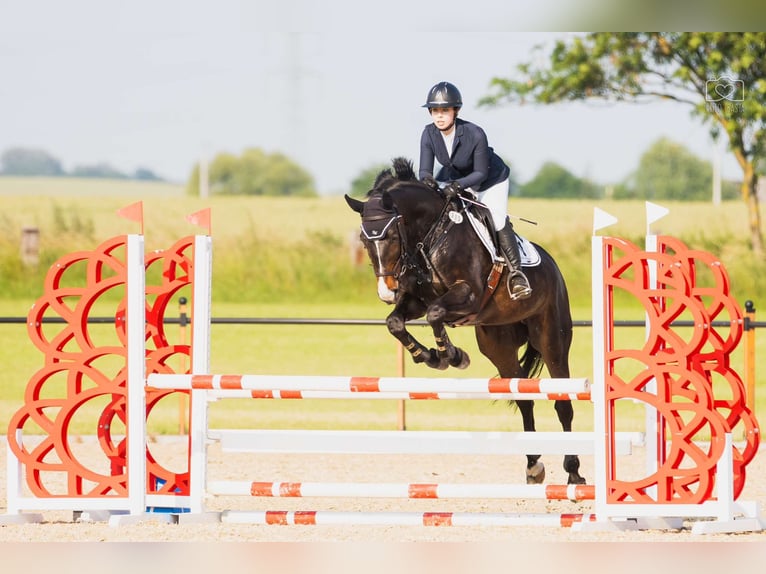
529,255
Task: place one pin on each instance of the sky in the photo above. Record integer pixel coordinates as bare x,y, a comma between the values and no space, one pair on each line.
337,86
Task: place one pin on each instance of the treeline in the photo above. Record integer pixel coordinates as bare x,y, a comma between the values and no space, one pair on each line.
666,171
19,161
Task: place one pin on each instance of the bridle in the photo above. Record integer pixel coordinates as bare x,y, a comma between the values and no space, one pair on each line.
408,261
376,236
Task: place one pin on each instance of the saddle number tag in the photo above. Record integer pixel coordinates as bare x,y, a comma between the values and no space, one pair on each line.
456,217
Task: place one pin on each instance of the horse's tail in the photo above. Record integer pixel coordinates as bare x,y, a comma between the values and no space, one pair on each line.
531,362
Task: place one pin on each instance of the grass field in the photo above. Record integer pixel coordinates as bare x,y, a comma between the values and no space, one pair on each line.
80,214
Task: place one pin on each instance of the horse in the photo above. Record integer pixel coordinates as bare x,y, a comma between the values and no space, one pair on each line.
430,262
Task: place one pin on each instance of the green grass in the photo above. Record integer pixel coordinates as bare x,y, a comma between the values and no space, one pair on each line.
288,257
330,350
283,249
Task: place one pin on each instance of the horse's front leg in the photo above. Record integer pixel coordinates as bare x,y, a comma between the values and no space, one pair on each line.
406,309
459,296
535,468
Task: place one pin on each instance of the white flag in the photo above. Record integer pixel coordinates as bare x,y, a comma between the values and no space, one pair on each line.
655,212
602,219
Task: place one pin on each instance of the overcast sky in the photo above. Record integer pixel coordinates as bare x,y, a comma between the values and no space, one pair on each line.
337,87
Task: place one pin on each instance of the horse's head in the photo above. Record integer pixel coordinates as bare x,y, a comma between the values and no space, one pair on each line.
381,234
395,200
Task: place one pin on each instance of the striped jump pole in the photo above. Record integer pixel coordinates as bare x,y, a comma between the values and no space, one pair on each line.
334,518
307,387
573,492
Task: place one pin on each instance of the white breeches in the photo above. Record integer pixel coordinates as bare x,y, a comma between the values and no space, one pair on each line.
496,199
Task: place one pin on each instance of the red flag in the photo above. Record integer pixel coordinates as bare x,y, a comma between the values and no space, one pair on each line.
201,218
134,212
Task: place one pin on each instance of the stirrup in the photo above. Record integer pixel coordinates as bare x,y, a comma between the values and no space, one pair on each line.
519,290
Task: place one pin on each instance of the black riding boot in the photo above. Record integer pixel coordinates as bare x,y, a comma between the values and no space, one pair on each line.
519,286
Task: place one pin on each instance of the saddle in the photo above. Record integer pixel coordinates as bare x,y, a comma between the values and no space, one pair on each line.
480,219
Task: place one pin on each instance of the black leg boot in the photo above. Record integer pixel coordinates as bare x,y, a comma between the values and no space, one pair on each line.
518,284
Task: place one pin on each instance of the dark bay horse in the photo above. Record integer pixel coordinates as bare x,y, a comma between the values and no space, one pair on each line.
429,261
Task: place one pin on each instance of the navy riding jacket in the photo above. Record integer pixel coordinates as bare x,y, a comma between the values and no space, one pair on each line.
472,162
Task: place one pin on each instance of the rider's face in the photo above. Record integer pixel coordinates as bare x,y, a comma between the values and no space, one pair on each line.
444,118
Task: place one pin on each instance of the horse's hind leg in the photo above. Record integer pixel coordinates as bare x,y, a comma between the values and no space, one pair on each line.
565,413
556,343
500,344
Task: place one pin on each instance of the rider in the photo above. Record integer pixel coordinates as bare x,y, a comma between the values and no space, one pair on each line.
469,164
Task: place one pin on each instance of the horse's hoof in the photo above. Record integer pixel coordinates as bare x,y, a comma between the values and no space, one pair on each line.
575,479
461,360
536,474
435,361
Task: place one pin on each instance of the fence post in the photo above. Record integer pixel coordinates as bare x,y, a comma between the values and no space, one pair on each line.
183,322
30,246
749,321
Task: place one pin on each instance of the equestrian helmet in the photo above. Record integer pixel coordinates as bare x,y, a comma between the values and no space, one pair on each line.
443,95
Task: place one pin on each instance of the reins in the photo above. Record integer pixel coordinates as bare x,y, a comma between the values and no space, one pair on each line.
431,240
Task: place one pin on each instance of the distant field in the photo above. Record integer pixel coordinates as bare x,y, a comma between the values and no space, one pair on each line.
86,187
262,230
166,204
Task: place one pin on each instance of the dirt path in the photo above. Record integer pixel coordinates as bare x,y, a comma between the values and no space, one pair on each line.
58,525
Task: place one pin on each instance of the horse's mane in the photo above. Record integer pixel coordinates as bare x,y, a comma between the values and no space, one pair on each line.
403,171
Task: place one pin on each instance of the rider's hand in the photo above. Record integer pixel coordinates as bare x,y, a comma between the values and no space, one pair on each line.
431,182
452,190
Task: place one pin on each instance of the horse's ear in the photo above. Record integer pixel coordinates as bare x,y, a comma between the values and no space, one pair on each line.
355,204
386,201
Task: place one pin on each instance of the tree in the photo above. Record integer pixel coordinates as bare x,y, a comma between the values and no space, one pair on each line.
26,161
99,170
720,75
667,170
254,172
145,174
260,173
553,180
514,188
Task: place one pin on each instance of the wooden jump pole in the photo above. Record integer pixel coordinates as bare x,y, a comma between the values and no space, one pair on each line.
401,422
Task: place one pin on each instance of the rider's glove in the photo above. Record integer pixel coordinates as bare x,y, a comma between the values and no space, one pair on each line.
431,182
452,190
